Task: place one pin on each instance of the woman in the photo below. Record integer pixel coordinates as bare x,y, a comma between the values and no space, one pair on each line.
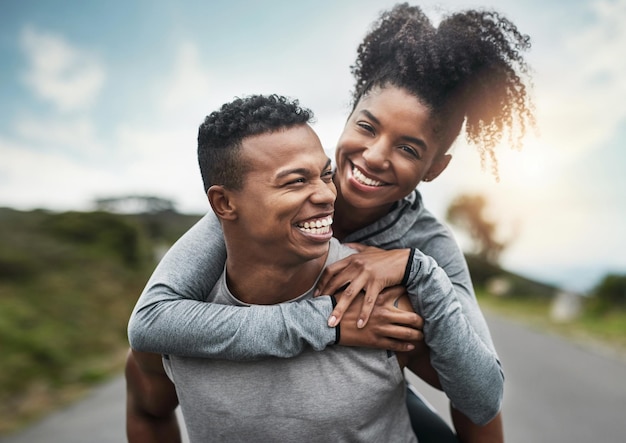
416,86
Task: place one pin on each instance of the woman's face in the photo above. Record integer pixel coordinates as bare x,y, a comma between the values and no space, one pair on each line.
387,147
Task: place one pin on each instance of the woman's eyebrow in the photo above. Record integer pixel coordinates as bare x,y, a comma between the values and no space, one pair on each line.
369,115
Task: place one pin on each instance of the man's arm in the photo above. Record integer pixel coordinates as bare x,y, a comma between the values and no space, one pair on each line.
151,401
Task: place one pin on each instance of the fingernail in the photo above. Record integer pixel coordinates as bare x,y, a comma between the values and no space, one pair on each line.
360,323
410,347
316,293
332,321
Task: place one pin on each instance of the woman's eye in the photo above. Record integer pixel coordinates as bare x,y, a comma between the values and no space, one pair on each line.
409,150
366,126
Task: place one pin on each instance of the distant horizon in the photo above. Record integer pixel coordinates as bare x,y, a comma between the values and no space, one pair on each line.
580,280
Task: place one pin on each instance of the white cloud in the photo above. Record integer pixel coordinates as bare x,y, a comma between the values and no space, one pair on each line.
161,162
68,77
189,80
32,178
69,136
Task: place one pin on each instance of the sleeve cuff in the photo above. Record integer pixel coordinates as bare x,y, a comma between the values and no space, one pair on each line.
337,331
407,270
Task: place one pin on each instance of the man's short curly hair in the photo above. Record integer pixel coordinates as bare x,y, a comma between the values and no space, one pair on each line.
221,134
468,70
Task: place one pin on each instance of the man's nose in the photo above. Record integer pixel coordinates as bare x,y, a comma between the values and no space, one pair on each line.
325,193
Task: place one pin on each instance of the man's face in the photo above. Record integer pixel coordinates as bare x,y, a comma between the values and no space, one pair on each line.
285,207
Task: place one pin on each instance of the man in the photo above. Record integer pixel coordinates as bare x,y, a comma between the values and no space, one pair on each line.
270,184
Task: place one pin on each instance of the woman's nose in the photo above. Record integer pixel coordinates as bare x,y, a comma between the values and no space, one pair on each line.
375,156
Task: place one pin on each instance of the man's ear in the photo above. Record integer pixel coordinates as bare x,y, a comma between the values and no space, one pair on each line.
439,165
222,202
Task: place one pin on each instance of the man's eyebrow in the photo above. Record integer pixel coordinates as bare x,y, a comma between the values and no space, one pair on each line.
302,171
408,139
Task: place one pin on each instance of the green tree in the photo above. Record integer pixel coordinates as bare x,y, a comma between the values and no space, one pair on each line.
609,293
467,212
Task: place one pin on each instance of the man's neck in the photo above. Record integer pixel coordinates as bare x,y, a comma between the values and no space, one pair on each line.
267,282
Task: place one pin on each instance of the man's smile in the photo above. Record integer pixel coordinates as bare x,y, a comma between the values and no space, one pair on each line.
316,226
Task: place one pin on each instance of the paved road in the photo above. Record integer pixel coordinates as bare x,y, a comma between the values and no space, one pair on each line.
555,392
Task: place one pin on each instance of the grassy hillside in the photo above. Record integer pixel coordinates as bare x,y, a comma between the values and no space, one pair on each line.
599,323
68,282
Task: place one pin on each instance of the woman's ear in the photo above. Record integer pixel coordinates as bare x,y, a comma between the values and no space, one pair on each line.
439,165
222,202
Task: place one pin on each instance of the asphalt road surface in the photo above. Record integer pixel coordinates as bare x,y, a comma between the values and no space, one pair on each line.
555,392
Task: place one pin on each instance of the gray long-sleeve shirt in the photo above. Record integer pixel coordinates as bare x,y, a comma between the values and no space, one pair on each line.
171,316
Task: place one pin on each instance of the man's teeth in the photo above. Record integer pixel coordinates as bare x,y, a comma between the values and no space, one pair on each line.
319,226
358,175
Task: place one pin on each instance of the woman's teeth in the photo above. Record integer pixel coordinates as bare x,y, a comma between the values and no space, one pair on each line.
361,178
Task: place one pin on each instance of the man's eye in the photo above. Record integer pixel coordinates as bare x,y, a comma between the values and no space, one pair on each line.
328,175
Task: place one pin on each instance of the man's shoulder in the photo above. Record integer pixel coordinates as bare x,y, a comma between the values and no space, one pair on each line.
337,251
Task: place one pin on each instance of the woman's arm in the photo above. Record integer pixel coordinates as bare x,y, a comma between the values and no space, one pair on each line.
457,335
455,330
172,317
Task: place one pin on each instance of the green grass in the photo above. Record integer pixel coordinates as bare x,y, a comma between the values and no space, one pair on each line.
68,283
607,330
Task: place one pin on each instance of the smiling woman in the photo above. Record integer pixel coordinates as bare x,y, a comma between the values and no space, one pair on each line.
387,147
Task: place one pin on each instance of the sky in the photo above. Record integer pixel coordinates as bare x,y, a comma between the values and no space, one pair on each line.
103,99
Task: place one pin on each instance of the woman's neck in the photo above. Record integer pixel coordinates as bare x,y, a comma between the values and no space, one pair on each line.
349,219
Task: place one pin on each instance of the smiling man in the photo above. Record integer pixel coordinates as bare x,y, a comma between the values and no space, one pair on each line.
270,184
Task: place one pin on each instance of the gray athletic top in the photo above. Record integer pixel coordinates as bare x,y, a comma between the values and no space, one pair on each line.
169,319
341,394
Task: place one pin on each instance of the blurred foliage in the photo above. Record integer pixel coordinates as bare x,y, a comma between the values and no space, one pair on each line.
68,282
601,323
485,273
468,212
608,295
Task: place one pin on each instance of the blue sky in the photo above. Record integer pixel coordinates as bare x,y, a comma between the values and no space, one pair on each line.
101,99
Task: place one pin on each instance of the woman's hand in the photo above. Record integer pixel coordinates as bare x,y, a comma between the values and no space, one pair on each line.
393,324
371,270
